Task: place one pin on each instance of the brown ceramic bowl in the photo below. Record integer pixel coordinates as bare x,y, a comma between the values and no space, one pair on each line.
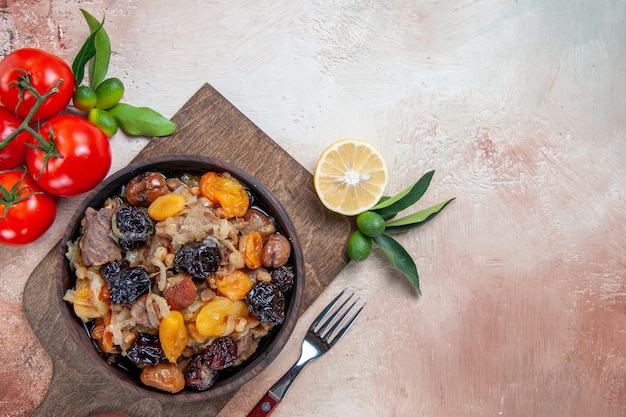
270,345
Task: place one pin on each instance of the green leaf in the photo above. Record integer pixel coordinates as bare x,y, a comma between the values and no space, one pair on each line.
86,52
400,258
416,219
99,65
388,208
141,121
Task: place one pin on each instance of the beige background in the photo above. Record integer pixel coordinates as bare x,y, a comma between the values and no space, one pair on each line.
517,105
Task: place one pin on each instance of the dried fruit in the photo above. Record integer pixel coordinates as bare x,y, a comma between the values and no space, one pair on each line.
164,376
198,375
267,303
226,191
165,206
200,259
283,278
221,354
125,284
276,251
235,285
146,350
218,316
252,248
131,226
182,293
173,335
89,306
102,336
145,188
260,222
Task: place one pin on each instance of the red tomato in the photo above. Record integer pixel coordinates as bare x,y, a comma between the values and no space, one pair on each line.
84,161
13,153
43,70
26,211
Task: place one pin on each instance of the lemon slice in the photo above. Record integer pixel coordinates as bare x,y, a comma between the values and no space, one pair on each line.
350,177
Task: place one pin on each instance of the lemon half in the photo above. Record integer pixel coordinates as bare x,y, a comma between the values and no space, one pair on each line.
350,176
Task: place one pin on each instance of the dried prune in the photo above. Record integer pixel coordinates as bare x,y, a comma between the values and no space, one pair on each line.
200,259
125,284
266,302
282,278
131,226
146,350
221,354
198,375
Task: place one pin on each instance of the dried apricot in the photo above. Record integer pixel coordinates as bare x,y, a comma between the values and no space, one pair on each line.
234,285
219,316
102,336
164,376
226,191
88,305
194,334
252,248
165,206
173,335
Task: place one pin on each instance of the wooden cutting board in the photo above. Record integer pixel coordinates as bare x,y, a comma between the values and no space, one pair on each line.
207,125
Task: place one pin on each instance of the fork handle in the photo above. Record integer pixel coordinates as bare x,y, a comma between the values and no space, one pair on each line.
265,406
277,392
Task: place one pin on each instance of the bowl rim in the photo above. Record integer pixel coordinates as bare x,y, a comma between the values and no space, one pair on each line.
179,162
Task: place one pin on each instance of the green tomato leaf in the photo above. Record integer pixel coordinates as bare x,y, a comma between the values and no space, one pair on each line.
388,208
86,52
416,219
400,258
99,65
141,121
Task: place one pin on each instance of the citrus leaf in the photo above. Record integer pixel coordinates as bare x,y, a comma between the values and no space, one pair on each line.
390,207
86,52
99,65
400,258
416,219
141,121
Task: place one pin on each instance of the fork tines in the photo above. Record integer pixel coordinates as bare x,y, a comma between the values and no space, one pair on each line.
338,317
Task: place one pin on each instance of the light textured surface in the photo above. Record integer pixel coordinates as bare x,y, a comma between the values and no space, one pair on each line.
519,106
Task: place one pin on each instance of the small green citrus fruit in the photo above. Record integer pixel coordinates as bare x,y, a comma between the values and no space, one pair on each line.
370,223
103,120
84,98
109,93
359,246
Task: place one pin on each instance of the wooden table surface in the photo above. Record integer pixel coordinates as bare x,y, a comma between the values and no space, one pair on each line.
519,106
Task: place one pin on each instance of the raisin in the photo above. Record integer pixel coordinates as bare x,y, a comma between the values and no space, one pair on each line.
146,350
198,375
131,226
266,302
221,354
145,188
125,284
199,259
164,376
282,278
276,251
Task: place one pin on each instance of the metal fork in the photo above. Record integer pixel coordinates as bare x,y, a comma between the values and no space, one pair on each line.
325,331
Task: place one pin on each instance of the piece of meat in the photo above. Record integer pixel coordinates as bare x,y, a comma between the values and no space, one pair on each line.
96,246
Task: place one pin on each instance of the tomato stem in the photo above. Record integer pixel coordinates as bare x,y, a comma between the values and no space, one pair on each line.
9,198
25,84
